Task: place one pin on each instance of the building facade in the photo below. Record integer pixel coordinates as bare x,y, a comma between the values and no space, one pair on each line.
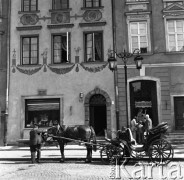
58,65
156,28
4,47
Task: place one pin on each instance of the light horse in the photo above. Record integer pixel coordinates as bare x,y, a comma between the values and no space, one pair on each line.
79,133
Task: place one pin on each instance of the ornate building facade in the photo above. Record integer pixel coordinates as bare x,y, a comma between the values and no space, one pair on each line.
59,70
156,28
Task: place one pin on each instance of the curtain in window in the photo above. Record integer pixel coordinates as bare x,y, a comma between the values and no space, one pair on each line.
61,48
98,47
89,47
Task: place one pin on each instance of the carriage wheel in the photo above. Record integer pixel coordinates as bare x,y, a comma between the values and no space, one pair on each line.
160,151
113,154
105,154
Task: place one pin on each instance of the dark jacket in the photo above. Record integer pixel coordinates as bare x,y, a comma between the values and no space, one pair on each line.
35,137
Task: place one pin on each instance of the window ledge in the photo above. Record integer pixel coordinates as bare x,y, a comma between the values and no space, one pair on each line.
29,65
60,10
61,65
137,2
27,28
58,26
28,12
92,24
175,52
94,62
88,8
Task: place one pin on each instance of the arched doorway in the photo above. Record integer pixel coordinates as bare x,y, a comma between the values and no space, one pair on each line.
143,95
98,115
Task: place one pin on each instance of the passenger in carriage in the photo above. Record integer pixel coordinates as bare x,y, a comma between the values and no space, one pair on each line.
133,128
140,129
149,121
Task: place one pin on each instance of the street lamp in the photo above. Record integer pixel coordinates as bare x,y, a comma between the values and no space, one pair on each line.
113,66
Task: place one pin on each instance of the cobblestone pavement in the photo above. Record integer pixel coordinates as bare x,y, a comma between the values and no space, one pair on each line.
53,170
79,170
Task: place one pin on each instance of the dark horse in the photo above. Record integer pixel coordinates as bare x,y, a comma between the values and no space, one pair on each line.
80,133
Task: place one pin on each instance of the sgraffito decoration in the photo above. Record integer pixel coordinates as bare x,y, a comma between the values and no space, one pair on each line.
29,71
61,70
14,61
57,18
29,19
92,15
94,69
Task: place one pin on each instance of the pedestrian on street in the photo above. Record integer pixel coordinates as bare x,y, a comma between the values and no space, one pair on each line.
35,143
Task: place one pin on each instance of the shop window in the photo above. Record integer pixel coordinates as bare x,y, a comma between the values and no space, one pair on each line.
60,4
29,5
61,48
93,46
29,50
44,112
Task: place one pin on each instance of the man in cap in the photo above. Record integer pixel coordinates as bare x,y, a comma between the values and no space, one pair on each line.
35,143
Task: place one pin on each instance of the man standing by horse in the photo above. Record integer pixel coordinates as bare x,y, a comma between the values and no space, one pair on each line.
35,143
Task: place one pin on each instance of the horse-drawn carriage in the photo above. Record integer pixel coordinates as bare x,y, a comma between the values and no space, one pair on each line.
121,148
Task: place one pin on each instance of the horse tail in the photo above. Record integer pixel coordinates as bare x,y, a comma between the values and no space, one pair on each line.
93,135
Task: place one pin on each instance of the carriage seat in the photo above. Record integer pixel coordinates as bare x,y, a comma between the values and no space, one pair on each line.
126,135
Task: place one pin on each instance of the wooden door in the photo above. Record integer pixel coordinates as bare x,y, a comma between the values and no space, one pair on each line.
179,113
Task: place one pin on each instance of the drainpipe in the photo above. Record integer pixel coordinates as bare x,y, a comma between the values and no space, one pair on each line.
115,71
8,73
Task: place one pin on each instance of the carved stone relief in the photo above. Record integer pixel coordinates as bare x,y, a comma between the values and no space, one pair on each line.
29,19
57,18
92,15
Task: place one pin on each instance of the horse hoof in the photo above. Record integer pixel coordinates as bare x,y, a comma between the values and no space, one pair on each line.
88,161
62,161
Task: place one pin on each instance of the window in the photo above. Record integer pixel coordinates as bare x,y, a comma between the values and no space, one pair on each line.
29,50
169,3
135,0
139,36
0,8
92,3
93,46
29,5
60,4
44,112
175,38
61,48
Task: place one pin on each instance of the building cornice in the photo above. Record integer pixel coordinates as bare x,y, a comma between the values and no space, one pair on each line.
155,65
28,28
58,26
92,24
